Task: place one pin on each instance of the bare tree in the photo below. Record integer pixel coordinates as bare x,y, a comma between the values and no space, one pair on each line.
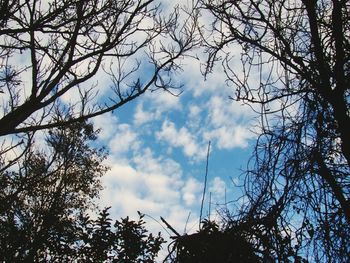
295,58
53,49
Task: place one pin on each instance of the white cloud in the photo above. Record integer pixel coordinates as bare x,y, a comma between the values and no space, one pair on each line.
142,117
155,186
195,117
164,101
191,191
229,137
124,139
146,161
223,111
228,123
217,187
106,123
195,111
181,138
125,190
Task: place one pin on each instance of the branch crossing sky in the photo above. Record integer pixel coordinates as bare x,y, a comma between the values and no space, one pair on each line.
158,146
158,143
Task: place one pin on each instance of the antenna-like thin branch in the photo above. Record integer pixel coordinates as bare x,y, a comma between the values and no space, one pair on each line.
205,185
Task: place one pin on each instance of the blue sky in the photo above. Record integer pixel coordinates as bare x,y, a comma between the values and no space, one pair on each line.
158,145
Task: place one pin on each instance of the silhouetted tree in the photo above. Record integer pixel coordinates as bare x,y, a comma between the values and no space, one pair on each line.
125,241
133,244
51,50
295,58
101,238
42,200
54,56
45,206
234,244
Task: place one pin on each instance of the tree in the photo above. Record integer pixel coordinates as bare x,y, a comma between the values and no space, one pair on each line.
54,49
213,244
45,206
43,200
295,58
132,242
54,56
126,241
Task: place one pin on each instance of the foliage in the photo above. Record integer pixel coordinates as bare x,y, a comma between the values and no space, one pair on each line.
295,58
238,239
133,243
45,206
125,241
52,56
42,200
214,244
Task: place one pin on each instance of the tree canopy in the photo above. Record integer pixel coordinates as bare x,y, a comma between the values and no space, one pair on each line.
47,202
295,65
54,56
294,71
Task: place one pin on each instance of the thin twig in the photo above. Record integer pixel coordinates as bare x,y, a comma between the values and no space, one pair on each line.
209,207
205,186
170,227
188,219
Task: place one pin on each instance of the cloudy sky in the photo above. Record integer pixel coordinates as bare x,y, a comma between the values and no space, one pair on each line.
158,146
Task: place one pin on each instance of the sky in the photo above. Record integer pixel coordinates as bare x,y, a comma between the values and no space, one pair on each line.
158,144
158,147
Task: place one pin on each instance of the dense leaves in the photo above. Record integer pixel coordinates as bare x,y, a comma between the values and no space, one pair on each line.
42,201
45,207
212,244
124,241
